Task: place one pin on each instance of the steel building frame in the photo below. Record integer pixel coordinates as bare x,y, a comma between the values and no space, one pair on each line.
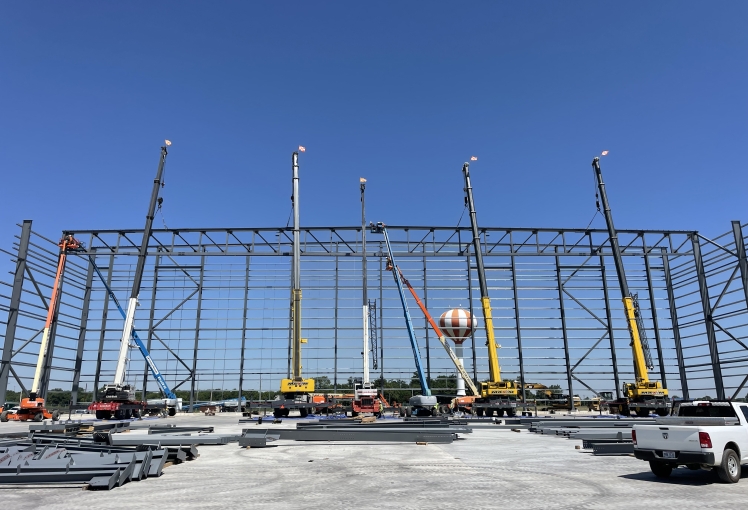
214,306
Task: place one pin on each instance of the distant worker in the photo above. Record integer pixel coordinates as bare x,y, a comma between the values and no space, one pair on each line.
381,409
436,409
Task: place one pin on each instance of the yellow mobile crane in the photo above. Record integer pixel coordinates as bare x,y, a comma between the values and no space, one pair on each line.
495,395
644,396
296,392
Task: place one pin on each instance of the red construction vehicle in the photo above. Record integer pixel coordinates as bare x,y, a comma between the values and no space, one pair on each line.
32,408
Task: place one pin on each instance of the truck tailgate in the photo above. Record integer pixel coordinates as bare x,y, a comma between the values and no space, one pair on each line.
667,437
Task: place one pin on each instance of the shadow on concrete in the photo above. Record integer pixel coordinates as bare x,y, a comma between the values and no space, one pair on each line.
683,476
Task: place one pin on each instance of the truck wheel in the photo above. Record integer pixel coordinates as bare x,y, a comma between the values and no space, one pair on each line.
729,470
489,412
500,412
642,413
660,469
172,411
55,415
39,417
479,411
4,416
662,412
303,412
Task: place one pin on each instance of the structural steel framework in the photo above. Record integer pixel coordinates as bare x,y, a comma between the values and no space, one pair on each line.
215,307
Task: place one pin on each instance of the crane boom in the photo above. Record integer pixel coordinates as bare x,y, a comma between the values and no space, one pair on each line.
460,368
629,301
296,384
119,373
141,346
493,358
645,395
381,228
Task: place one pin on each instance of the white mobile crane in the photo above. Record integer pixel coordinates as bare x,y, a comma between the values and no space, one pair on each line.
295,392
644,396
118,399
364,394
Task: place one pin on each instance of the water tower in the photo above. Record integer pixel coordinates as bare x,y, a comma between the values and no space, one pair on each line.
458,324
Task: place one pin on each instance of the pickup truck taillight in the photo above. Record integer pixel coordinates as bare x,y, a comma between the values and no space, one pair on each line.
633,437
705,440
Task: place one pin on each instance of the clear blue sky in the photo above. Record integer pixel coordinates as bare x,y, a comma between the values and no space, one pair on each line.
401,93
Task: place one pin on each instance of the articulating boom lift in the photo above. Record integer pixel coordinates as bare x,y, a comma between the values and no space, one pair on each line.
296,392
32,408
118,399
495,395
644,396
425,404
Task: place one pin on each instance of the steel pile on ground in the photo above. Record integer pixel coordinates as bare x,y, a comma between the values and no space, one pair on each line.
401,435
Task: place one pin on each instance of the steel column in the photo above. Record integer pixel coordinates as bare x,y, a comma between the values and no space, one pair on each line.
737,232
564,330
151,318
381,324
82,334
674,322
470,305
13,308
655,322
244,335
518,328
197,330
102,333
613,356
708,320
335,334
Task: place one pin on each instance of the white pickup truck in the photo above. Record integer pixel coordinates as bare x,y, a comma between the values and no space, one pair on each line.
704,435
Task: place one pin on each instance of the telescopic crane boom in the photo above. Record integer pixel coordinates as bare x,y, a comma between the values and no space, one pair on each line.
296,391
644,395
495,394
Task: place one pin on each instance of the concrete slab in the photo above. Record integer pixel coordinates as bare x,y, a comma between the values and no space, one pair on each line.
490,468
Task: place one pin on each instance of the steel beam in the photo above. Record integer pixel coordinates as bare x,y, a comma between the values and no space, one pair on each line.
197,330
14,307
674,324
244,334
151,319
708,319
335,330
425,320
518,329
82,334
564,331
610,328
102,333
737,233
655,322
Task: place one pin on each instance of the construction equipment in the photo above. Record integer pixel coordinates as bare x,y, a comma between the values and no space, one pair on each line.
365,395
170,402
442,339
295,392
425,404
32,408
644,395
495,395
118,399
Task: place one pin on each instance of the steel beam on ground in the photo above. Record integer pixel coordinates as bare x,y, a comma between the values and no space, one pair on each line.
397,436
14,307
